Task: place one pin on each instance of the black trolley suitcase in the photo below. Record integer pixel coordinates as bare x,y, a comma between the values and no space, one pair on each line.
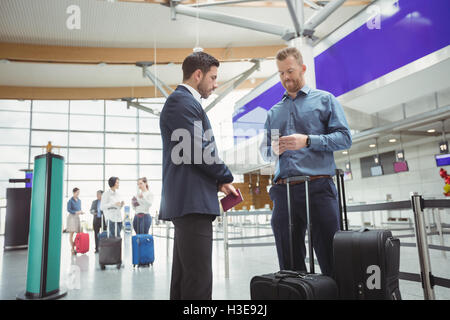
366,262
110,250
294,285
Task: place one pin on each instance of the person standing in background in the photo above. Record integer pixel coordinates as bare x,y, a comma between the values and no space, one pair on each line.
73,219
98,216
142,203
112,205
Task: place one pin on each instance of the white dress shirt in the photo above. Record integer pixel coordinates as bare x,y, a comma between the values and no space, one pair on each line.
194,92
111,211
145,202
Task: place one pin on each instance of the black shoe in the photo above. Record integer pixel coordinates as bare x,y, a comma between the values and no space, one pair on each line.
96,251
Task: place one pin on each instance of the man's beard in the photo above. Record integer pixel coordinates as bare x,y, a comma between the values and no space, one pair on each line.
293,86
203,90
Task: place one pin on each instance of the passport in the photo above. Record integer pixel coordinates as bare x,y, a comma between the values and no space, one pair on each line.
231,200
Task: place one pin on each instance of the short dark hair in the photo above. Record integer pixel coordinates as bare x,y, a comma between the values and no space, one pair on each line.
198,60
112,181
75,190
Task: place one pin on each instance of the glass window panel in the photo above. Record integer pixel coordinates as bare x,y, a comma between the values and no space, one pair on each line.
88,123
41,138
59,106
38,151
151,172
86,156
121,140
15,105
14,136
81,139
150,141
8,171
119,108
125,172
11,119
150,125
14,154
50,121
87,106
86,172
121,124
3,186
150,156
121,156
88,193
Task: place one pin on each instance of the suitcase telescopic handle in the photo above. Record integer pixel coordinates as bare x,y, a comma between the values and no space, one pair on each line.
341,199
306,180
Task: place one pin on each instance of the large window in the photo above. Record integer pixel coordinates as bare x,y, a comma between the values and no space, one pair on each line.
97,139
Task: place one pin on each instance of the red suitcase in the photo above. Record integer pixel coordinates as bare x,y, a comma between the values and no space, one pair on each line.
82,242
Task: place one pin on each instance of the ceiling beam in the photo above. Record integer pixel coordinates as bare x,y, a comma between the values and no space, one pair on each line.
85,93
96,55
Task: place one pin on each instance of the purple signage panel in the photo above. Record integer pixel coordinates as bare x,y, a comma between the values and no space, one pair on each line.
407,32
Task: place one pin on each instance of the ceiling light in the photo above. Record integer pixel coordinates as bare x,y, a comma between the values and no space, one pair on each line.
392,140
431,130
344,152
372,145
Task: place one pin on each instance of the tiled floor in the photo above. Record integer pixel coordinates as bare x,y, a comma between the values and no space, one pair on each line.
153,282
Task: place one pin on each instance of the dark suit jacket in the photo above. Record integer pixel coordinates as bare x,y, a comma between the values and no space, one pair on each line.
189,186
94,208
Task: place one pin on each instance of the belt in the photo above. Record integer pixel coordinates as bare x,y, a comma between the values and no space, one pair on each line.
311,178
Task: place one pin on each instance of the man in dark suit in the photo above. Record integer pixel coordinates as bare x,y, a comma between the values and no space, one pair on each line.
192,176
98,215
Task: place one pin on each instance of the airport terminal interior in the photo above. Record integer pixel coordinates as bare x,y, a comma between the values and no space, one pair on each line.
85,81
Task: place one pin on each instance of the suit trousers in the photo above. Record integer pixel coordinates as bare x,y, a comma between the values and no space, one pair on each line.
324,212
97,225
192,258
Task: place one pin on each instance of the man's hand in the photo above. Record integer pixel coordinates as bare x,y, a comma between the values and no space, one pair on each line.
228,188
278,148
294,141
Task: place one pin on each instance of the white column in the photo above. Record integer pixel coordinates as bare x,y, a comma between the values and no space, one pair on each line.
305,46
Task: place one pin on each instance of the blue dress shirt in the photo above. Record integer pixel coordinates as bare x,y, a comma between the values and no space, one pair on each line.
315,113
99,211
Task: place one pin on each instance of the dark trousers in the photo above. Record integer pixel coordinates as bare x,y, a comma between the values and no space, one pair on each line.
142,223
192,258
97,225
324,211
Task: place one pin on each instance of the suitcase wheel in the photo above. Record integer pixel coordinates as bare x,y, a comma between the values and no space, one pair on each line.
119,266
102,266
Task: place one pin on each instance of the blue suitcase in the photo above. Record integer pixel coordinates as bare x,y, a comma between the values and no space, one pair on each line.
143,249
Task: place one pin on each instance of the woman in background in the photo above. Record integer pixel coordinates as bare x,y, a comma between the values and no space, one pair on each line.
73,219
142,203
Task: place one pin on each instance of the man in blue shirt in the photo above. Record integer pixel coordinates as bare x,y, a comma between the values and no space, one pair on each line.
302,132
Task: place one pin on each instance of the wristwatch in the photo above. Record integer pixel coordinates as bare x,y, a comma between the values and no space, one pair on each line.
308,141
